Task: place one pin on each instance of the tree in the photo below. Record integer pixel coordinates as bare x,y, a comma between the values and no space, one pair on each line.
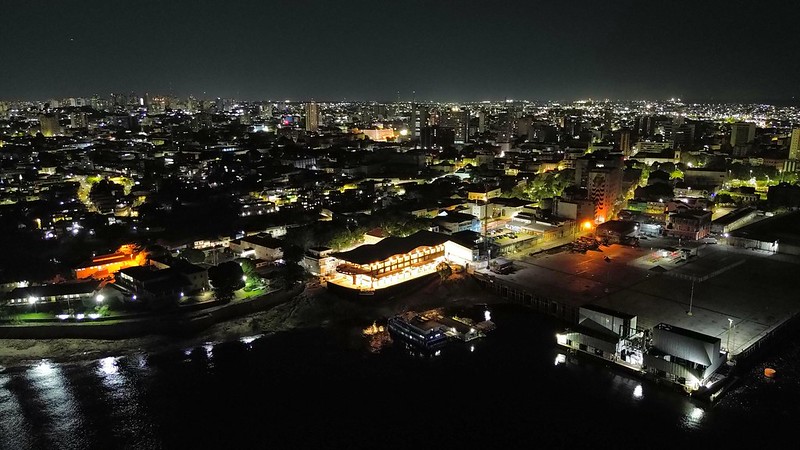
444,270
292,273
225,279
293,254
249,271
346,238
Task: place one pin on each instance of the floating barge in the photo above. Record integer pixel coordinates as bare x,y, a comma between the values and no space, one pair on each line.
432,329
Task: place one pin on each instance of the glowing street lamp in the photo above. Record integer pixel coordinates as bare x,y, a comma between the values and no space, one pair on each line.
730,330
99,298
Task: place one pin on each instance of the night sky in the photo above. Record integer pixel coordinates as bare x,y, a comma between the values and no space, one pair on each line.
461,50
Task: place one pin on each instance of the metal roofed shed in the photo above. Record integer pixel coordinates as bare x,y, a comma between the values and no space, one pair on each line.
685,355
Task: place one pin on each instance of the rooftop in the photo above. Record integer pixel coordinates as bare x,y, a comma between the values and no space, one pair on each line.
390,246
733,216
50,290
688,333
262,241
784,228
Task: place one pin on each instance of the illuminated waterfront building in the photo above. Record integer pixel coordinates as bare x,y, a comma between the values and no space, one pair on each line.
396,260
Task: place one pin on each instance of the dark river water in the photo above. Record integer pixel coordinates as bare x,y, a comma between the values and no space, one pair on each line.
321,388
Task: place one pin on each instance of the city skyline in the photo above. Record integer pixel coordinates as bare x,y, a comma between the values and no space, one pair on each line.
479,51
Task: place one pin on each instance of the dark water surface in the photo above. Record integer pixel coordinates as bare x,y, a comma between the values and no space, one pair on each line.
322,389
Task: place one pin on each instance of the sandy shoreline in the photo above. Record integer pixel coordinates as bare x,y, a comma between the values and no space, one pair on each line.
309,309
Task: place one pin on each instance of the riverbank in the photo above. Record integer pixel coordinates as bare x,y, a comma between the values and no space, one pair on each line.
309,308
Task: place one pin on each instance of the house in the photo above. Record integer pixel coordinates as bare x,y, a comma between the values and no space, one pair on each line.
104,266
482,193
319,261
259,246
690,224
82,291
453,222
150,283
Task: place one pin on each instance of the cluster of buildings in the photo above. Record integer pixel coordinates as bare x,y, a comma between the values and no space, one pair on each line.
229,177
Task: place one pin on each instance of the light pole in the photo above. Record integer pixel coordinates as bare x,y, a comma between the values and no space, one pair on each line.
691,299
730,328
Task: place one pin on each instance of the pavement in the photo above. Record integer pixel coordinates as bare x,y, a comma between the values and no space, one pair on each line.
755,290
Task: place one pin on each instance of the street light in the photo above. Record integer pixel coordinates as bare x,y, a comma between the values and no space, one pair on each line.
730,328
99,298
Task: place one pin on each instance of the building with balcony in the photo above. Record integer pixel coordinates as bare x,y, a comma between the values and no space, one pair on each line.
396,260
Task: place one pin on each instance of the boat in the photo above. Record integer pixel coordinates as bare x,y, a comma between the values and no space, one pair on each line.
418,331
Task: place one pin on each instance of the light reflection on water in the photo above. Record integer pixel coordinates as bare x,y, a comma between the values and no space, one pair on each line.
58,404
145,401
13,426
694,417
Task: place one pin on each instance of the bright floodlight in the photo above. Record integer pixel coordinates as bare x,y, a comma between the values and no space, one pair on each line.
31,300
637,391
100,298
487,315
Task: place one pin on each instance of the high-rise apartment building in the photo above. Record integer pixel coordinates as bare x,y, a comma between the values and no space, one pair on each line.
742,133
419,119
48,124
458,120
794,145
624,145
312,117
604,186
78,119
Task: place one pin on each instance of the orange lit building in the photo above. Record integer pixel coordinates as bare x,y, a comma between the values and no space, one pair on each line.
396,260
104,266
379,134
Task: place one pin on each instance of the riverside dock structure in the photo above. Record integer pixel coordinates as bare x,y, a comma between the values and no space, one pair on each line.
743,297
